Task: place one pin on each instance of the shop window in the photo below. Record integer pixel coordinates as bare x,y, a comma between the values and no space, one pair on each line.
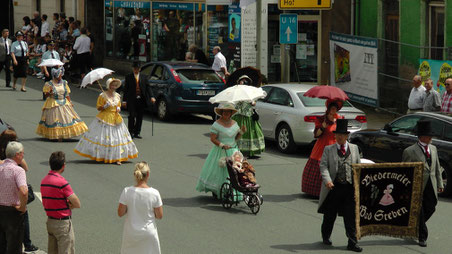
175,26
218,29
127,29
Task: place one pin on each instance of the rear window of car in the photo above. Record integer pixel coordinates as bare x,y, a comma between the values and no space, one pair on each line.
316,102
198,76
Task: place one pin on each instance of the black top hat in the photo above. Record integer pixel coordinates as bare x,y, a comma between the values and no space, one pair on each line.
341,126
423,128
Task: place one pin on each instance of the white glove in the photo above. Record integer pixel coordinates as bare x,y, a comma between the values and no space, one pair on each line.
107,105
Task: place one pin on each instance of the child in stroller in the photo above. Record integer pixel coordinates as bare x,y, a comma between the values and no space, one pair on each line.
245,171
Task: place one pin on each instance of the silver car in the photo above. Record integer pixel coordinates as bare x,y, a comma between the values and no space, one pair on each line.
288,117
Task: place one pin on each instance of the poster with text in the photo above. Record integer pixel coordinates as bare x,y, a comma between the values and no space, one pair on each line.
354,67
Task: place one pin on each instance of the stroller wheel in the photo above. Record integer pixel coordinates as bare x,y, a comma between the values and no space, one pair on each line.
226,195
254,203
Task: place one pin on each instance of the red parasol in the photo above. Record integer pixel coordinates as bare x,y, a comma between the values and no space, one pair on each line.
327,92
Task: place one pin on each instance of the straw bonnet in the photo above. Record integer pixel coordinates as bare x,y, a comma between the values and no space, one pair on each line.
110,80
229,106
245,77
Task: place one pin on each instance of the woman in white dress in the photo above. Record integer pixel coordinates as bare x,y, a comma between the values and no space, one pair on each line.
142,205
108,139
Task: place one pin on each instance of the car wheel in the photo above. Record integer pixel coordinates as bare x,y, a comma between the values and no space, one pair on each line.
285,139
447,178
162,110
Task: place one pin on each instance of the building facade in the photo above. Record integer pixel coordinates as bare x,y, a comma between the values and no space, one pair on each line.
407,31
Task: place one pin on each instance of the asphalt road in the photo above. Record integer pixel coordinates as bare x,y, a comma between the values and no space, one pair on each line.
193,222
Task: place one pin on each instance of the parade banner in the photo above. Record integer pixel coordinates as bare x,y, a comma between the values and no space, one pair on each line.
437,70
388,199
354,65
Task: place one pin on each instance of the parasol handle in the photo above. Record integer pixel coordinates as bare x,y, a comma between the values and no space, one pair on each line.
100,85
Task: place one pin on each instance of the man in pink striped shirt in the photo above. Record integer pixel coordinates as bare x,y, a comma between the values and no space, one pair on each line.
13,199
446,106
58,200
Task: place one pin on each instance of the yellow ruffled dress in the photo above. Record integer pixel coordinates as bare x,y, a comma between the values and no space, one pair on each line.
59,119
108,139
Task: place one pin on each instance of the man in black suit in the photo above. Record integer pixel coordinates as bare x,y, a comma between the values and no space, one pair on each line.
137,97
5,55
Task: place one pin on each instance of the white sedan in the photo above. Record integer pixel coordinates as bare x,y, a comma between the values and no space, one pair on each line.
288,117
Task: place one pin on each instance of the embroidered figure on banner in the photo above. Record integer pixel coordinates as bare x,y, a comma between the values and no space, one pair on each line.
387,198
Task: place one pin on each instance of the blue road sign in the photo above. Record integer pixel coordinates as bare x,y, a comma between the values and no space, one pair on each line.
288,28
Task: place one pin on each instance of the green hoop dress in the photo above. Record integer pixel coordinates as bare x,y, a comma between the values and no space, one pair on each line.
252,141
212,175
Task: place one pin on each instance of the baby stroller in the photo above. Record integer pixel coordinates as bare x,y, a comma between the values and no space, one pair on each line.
229,191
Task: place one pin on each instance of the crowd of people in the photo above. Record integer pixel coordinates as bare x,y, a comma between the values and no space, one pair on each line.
426,98
36,41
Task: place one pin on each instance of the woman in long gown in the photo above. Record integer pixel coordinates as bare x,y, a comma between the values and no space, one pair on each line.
108,139
252,142
311,180
141,204
59,119
223,134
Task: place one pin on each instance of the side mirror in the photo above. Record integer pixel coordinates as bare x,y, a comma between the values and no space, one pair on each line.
387,128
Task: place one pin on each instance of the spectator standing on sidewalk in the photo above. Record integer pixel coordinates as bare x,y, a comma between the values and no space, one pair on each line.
91,49
219,62
417,94
45,27
37,20
141,204
5,55
58,200
19,54
446,106
56,19
13,199
7,137
83,47
432,99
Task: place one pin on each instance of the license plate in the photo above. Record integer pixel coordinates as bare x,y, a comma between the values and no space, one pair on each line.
205,92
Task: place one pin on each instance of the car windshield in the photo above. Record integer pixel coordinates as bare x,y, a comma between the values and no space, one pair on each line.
316,102
198,76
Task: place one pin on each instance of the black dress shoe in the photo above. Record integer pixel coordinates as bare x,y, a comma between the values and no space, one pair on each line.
354,248
327,241
8,85
138,136
422,243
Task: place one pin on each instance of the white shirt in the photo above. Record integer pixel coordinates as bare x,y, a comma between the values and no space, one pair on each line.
82,44
44,28
219,62
140,230
416,99
8,47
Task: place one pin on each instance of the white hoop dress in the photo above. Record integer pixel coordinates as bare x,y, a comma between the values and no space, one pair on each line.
108,140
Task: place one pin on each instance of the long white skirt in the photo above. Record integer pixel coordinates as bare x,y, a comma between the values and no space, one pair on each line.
107,143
